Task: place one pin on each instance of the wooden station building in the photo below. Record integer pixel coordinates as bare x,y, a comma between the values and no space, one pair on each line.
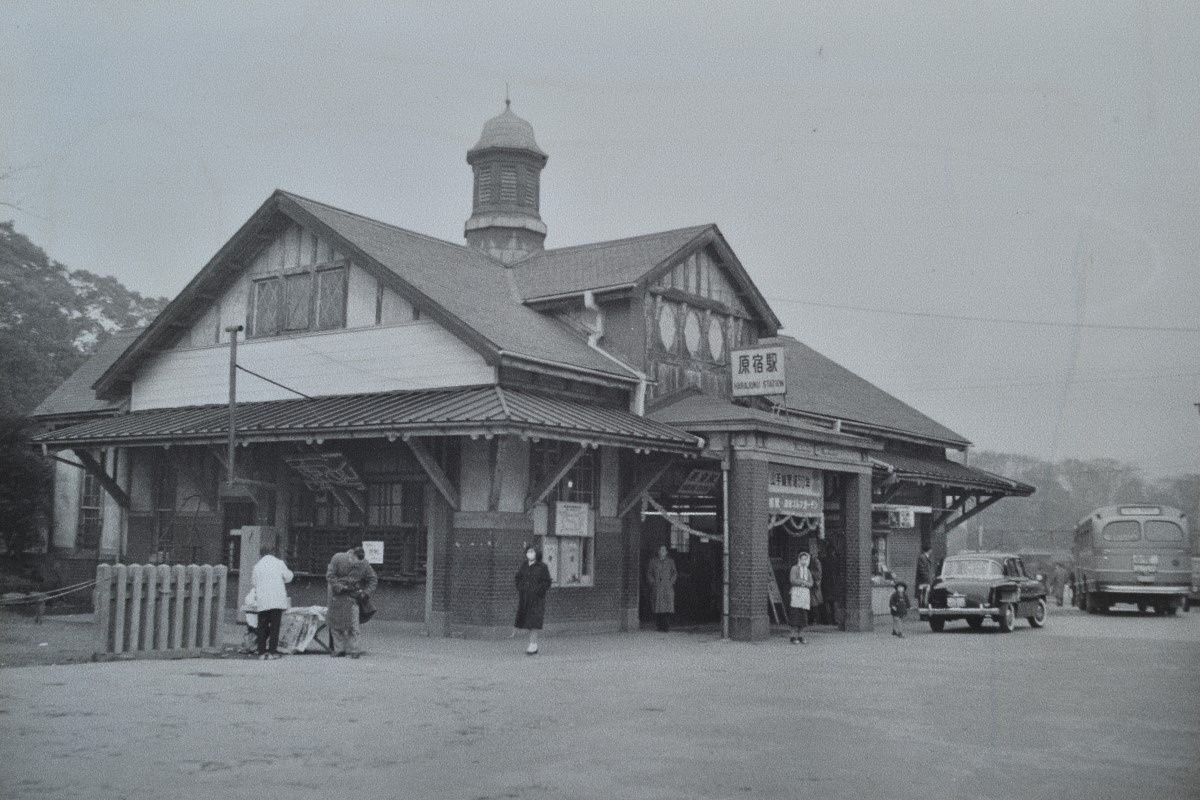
458,403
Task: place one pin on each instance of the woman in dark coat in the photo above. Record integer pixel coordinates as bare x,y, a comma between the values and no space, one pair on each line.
533,581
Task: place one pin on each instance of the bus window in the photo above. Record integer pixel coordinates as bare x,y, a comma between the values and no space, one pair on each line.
1123,531
1161,530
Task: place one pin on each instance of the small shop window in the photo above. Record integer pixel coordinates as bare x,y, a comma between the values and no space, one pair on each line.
571,559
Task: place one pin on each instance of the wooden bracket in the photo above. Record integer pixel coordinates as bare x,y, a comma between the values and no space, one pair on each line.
538,493
629,501
96,471
434,470
942,516
979,506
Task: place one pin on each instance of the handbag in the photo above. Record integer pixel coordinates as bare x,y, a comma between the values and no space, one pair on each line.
366,609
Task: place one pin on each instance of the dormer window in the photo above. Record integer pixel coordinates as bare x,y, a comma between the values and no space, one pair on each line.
297,302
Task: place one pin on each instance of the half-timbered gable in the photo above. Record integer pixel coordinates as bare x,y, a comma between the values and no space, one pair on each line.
314,321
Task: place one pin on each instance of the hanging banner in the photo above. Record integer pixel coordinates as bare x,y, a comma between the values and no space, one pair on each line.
761,370
795,491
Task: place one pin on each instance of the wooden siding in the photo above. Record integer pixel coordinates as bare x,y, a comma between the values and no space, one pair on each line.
417,355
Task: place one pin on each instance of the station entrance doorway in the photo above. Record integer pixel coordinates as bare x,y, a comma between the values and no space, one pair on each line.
684,515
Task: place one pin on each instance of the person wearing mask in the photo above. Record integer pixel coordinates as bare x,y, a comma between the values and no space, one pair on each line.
533,582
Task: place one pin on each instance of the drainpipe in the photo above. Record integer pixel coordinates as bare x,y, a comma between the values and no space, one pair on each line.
593,340
725,464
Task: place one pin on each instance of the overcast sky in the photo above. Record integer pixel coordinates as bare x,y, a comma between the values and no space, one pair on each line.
1036,162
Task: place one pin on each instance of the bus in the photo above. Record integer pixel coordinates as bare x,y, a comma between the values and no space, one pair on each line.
1139,554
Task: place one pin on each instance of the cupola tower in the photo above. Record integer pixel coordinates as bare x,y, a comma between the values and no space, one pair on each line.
507,162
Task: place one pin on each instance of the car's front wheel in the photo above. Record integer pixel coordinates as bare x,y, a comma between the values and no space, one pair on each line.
1039,615
937,624
1007,618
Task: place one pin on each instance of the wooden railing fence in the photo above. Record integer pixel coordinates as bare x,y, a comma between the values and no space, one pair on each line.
156,610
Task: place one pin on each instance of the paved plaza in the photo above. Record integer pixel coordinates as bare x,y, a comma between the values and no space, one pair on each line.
1089,707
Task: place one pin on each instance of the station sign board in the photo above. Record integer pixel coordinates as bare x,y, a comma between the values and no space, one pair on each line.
758,371
795,491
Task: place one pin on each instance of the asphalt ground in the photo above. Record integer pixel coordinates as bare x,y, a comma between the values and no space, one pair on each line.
1088,707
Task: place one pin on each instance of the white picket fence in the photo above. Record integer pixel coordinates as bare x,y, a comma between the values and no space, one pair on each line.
156,610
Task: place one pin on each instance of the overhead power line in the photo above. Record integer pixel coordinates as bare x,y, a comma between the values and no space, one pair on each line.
996,320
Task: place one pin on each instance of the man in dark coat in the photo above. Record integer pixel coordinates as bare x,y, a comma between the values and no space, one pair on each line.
350,578
924,575
662,575
533,581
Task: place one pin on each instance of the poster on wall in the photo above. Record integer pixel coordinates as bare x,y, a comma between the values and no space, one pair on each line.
374,552
758,371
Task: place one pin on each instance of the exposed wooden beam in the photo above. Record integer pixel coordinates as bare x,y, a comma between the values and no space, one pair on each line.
496,481
943,515
434,470
629,501
539,492
201,486
979,506
96,471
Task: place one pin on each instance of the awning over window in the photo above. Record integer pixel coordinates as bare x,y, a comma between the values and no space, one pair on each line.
949,474
487,410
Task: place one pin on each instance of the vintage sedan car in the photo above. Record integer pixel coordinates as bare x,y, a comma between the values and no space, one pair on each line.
979,586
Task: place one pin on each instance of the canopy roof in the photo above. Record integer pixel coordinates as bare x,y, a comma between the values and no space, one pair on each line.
484,410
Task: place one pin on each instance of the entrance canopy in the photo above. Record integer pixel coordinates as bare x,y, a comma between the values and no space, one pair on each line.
969,490
485,410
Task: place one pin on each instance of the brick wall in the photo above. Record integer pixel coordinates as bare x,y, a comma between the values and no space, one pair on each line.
857,512
748,522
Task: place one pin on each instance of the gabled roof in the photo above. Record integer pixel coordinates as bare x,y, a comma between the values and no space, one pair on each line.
636,261
600,265
461,288
486,410
75,396
825,389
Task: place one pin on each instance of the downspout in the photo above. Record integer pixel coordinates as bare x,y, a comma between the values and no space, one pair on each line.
596,330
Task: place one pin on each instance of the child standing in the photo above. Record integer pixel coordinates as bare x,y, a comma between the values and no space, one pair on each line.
899,606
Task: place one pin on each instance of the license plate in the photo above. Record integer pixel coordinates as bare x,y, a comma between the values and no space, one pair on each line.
956,602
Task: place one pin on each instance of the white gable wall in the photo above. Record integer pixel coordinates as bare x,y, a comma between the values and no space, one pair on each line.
384,346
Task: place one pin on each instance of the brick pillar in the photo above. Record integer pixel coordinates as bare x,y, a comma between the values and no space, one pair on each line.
748,524
631,543
857,512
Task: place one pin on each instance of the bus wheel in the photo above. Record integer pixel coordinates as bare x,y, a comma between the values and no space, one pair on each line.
1007,617
937,624
1172,610
1141,608
1160,609
975,623
1039,615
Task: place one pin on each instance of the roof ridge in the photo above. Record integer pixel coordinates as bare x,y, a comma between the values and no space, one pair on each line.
614,242
390,226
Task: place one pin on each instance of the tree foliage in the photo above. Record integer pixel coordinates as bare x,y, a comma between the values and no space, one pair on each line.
51,319
1066,492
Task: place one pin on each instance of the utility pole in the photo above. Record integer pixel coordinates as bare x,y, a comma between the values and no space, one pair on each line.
233,331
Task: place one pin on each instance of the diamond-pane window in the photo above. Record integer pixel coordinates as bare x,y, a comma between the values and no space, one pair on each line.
331,298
